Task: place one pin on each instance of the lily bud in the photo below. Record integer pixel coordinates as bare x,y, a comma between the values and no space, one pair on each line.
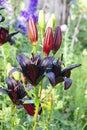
32,31
48,41
41,19
57,39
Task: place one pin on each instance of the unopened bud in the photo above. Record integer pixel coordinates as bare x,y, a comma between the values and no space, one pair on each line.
41,19
32,31
57,40
48,41
51,22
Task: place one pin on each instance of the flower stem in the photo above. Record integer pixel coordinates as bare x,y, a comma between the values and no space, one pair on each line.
36,109
36,117
40,90
34,49
51,104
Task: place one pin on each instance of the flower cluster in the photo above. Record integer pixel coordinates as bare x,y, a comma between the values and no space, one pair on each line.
34,69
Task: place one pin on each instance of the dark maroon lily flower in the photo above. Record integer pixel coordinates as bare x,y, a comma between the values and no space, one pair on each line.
17,94
34,68
5,36
15,90
56,74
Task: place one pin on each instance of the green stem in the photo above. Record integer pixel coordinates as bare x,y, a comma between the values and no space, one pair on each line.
51,104
13,109
40,90
34,49
41,31
36,109
36,116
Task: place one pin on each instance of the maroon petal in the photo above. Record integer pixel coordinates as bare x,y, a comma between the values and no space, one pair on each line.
67,83
30,108
51,78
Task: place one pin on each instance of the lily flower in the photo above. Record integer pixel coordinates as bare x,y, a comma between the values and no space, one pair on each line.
5,36
17,94
56,74
34,68
15,91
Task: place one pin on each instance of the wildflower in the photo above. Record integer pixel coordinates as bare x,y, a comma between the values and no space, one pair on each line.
32,31
17,94
31,12
34,68
5,36
56,74
48,41
2,2
57,39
